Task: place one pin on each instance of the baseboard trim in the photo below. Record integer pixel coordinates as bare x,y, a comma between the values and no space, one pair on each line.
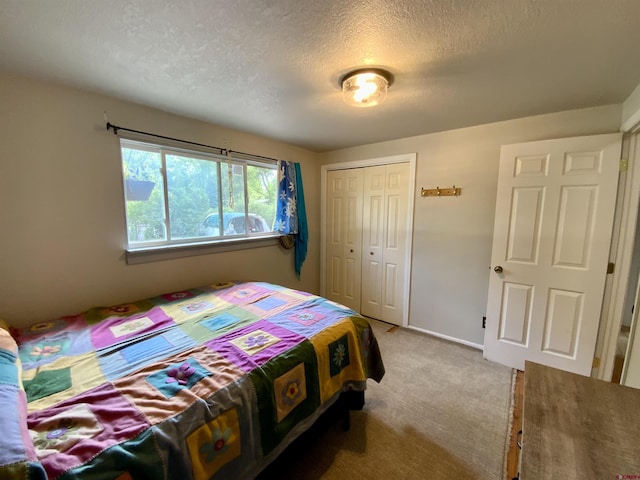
447,337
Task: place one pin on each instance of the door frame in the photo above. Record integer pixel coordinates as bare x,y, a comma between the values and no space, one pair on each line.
409,158
621,254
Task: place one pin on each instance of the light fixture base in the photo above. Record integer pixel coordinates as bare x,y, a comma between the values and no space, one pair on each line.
365,87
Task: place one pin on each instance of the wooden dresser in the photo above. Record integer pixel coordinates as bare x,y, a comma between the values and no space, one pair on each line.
577,427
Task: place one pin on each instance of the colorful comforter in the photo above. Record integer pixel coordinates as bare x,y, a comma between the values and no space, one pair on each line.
210,382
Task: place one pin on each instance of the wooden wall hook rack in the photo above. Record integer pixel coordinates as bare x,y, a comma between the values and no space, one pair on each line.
440,192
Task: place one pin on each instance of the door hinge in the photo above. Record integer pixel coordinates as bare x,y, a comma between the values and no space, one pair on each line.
596,363
624,164
611,268
484,322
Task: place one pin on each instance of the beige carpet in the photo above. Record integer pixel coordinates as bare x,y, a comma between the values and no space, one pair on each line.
440,412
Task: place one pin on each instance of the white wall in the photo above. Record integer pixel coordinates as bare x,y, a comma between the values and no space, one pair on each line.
62,209
452,235
631,110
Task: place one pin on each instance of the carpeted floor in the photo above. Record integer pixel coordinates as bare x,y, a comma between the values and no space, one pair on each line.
440,412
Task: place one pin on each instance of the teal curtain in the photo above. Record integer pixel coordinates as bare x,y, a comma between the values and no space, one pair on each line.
291,213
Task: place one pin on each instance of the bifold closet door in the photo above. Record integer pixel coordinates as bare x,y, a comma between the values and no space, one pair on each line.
384,235
344,236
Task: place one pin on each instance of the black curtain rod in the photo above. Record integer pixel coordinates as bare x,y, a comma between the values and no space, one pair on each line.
222,151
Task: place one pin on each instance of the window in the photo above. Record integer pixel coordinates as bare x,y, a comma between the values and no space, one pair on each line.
177,197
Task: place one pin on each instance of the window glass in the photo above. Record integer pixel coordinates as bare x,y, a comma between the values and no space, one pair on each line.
232,176
262,184
144,195
194,197
192,184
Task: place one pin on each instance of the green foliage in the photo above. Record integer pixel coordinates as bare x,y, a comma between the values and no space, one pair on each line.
192,193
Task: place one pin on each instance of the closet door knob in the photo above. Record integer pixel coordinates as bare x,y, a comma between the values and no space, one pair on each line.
351,251
498,269
370,253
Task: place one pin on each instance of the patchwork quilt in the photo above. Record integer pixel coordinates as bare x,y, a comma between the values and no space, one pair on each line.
210,382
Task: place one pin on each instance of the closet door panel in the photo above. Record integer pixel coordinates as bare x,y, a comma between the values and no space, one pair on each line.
373,225
343,238
396,214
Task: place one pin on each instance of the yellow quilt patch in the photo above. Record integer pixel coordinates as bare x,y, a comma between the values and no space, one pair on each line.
215,444
338,358
290,389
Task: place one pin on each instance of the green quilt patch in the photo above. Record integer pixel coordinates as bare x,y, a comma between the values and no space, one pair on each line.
47,382
339,355
275,422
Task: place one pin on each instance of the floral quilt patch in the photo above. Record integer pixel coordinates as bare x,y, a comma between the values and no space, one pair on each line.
215,444
290,390
62,431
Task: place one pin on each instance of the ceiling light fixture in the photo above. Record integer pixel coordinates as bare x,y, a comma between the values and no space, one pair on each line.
365,87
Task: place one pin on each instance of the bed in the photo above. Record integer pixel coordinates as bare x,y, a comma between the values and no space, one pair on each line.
209,382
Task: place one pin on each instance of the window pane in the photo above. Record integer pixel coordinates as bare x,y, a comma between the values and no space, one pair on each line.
193,195
144,195
261,184
232,176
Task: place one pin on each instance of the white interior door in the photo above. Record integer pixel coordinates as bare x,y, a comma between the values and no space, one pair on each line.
385,230
343,237
551,241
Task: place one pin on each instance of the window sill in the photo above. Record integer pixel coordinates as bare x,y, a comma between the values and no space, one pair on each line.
136,256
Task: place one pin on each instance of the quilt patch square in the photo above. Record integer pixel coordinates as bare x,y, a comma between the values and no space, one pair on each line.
339,360
170,381
98,314
289,400
115,418
195,307
12,427
47,382
60,432
306,317
338,355
220,321
121,361
175,296
117,330
145,349
243,294
43,351
252,346
131,326
255,342
215,444
269,303
290,390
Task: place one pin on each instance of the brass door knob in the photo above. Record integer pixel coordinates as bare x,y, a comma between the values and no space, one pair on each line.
498,269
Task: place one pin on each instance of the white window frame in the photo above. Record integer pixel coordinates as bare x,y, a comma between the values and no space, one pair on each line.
142,252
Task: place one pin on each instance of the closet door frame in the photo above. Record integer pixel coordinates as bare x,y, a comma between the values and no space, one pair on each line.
409,158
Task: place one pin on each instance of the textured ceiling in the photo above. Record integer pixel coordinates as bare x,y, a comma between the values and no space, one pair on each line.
272,67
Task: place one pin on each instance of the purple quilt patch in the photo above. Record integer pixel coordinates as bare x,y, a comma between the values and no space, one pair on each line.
255,344
116,420
117,330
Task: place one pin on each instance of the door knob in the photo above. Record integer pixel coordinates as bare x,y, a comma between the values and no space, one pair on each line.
351,251
498,269
370,253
